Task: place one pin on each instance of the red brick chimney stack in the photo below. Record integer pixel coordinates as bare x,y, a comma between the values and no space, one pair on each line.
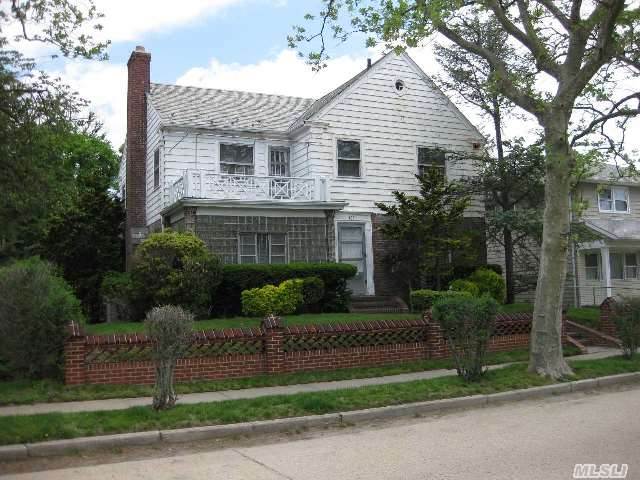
139,79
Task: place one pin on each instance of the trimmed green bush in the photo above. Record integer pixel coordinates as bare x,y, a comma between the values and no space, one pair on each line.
626,315
175,268
468,286
312,293
284,299
467,324
36,305
490,283
423,300
237,278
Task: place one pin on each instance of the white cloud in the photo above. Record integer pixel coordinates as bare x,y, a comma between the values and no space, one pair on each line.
285,74
105,86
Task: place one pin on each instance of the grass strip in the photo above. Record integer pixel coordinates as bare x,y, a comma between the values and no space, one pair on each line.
24,392
35,428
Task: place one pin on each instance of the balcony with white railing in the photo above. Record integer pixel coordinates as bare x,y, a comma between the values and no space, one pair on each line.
202,184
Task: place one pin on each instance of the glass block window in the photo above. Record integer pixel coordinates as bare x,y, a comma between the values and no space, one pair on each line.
263,248
236,159
349,158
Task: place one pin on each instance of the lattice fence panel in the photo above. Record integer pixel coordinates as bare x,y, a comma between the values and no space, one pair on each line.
142,351
329,341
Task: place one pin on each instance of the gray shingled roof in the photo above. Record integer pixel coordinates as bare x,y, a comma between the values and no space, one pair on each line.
226,109
614,174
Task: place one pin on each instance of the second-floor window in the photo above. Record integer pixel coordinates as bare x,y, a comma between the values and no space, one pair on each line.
236,159
263,248
349,158
613,199
156,168
431,158
279,162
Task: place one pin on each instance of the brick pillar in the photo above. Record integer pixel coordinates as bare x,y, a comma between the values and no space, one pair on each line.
139,78
436,343
74,354
273,344
607,325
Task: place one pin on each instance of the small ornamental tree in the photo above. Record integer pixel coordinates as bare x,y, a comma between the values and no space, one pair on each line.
626,315
428,227
169,328
467,324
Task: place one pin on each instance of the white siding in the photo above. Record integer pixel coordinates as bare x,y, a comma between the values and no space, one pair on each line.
390,127
588,192
154,195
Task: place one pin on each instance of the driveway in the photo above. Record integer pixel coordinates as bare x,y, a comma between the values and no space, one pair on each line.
540,439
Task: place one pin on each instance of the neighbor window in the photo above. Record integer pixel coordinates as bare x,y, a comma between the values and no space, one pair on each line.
263,248
156,168
236,159
431,158
630,266
613,199
592,266
616,264
349,158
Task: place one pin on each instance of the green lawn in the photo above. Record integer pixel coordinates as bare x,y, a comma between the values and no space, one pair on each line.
34,428
235,322
587,316
21,392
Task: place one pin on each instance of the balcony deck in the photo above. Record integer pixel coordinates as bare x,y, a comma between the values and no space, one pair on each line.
202,184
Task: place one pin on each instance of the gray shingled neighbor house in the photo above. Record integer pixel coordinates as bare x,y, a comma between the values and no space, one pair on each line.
275,179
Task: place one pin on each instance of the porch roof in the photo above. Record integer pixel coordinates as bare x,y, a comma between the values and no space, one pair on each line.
613,229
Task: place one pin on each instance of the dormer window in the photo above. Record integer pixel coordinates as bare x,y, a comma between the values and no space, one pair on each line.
613,199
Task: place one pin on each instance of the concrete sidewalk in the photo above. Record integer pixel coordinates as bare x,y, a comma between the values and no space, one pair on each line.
206,397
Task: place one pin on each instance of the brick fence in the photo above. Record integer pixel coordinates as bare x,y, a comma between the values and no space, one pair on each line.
273,348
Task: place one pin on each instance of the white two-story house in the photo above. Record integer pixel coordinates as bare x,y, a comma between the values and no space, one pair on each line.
275,179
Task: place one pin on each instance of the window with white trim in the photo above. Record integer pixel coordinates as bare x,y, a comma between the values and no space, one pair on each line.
156,168
616,266
431,158
263,248
592,266
349,158
613,199
236,159
279,161
630,266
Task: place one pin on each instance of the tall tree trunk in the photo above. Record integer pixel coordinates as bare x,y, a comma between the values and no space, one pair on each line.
546,333
508,264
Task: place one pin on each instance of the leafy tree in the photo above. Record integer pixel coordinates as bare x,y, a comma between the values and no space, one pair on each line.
37,113
85,237
427,227
572,59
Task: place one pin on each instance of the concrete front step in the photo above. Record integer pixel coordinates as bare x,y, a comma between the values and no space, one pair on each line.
377,304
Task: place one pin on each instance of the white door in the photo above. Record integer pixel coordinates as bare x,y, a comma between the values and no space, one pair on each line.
351,250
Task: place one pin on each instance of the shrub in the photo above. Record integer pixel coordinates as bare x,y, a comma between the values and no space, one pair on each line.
36,304
116,291
284,299
490,283
467,324
175,268
468,286
169,328
626,315
237,278
312,293
423,300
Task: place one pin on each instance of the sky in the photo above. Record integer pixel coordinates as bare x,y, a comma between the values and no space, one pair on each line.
228,44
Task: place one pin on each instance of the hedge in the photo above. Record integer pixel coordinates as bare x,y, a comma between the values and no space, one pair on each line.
422,300
236,278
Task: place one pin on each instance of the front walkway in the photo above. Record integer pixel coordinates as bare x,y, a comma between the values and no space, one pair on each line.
206,397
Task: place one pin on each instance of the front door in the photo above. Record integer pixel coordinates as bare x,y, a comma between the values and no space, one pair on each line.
351,250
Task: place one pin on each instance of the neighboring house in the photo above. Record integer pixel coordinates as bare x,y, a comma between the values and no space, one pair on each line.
275,179
608,266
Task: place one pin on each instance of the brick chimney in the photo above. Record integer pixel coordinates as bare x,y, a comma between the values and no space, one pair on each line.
139,78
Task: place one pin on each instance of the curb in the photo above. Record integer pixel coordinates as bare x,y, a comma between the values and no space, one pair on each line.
60,447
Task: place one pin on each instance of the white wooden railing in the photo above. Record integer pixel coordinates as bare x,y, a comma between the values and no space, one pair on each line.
221,186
